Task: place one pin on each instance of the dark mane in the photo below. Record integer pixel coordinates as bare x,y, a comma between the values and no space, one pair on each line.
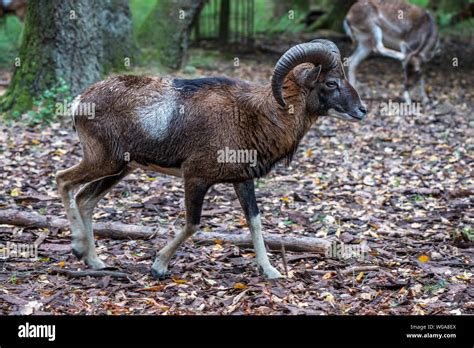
193,85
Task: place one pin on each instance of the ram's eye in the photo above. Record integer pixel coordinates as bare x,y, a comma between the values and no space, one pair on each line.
331,84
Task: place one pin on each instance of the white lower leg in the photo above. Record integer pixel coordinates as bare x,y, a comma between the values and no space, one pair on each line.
90,256
269,271
82,246
424,96
79,240
406,96
160,266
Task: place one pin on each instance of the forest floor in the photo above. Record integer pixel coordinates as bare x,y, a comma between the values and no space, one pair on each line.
400,184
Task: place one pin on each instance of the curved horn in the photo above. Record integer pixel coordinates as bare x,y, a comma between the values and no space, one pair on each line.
318,52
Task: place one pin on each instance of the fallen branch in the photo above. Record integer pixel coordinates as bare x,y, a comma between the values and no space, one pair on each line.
90,273
113,230
273,242
117,230
457,193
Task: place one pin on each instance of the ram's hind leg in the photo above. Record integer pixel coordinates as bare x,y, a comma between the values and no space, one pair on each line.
68,181
86,200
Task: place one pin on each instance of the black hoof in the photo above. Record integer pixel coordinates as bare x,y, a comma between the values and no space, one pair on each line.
77,254
158,275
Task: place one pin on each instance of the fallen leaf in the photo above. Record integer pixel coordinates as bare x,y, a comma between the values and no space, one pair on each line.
240,286
178,280
423,258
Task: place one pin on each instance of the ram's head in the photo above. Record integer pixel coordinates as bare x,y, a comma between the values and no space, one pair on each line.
323,82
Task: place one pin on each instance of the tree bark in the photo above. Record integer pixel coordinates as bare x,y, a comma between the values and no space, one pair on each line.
224,22
167,29
59,41
116,230
117,35
71,40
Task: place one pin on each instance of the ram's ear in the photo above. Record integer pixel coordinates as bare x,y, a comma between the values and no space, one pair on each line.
309,77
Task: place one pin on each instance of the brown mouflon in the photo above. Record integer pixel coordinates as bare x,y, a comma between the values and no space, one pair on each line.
207,131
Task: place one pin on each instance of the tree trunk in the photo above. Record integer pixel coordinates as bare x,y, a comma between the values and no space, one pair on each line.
167,29
224,22
59,41
280,9
332,20
117,35
71,40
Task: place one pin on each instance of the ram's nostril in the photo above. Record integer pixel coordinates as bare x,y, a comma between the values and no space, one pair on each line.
363,109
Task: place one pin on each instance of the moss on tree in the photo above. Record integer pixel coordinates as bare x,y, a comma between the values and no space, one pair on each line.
166,29
76,40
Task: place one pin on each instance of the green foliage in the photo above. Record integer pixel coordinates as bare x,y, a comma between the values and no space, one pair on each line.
50,104
432,288
140,9
418,198
464,28
10,31
263,15
396,182
287,24
421,3
204,59
13,279
264,21
468,233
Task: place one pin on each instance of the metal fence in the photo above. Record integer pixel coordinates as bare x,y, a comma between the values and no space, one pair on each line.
226,22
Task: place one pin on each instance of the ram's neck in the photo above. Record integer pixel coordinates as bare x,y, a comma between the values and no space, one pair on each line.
277,130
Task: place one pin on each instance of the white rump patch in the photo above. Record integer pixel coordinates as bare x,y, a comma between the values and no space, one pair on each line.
156,117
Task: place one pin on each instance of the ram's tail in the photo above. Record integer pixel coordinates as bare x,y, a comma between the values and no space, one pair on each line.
73,110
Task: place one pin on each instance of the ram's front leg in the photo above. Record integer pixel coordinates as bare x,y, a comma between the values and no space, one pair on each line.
194,191
246,194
